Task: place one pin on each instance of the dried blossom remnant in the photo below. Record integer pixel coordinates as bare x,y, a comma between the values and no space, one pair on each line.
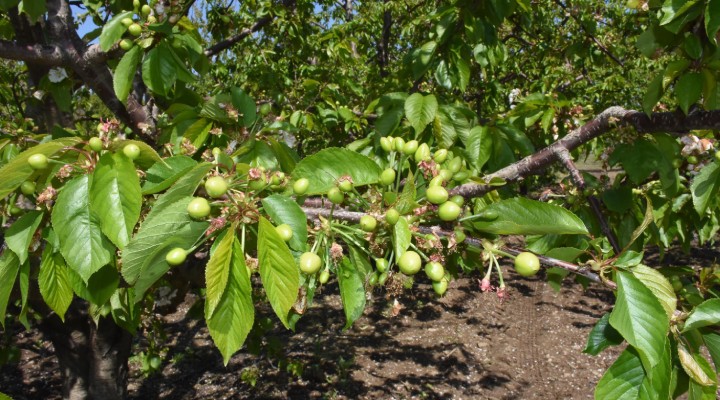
188,147
428,169
47,196
485,285
255,173
64,172
336,252
215,225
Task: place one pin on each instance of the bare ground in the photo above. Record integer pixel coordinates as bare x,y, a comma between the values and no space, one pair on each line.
466,345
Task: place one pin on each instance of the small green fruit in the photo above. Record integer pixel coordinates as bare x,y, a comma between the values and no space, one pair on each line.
126,22
145,10
440,156
422,153
457,199
368,223
435,271
386,143
440,287
38,161
692,160
436,194
96,144
445,174
381,264
345,185
216,186
27,188
392,216
310,263
410,147
387,177
126,44
176,256
410,263
382,278
324,277
399,143
131,151
198,208
335,196
449,211
455,165
285,231
527,264
300,187
135,29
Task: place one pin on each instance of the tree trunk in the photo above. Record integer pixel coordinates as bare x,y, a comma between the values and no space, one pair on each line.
93,358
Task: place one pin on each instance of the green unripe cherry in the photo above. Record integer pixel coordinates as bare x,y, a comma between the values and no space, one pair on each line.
38,161
198,208
381,264
300,187
335,195
135,29
176,256
216,186
368,223
440,156
435,271
527,264
324,277
446,174
410,147
457,199
126,44
440,287
410,263
449,211
422,153
345,185
96,144
310,263
145,10
387,177
455,165
386,143
131,151
392,216
285,232
382,278
126,22
27,188
436,194
399,143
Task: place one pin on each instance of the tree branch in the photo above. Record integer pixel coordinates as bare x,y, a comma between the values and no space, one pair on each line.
670,122
46,56
227,43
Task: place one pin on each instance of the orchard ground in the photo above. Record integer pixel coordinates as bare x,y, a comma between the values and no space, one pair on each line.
466,345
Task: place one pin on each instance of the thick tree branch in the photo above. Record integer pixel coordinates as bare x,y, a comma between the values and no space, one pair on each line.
227,43
670,122
46,56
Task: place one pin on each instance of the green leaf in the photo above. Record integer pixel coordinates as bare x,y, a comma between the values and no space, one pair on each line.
283,210
217,271
712,20
234,314
623,379
401,237
659,285
82,242
125,72
602,336
278,272
705,186
421,58
707,313
162,175
697,368
19,236
640,318
158,69
360,260
521,216
478,147
143,259
712,342
245,106
326,166
406,202
286,156
33,8
99,288
420,110
688,90
184,187
657,382
443,128
54,282
653,94
113,30
124,311
9,267
352,291
17,170
115,197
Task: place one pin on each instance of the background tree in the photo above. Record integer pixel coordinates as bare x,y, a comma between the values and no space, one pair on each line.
189,135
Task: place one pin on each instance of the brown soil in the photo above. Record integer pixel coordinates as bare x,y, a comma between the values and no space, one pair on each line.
467,345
